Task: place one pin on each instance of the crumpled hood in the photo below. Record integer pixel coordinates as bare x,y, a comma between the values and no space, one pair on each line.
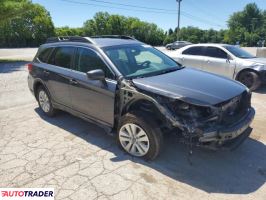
192,86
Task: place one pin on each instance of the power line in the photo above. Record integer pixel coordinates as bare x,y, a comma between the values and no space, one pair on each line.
144,9
151,10
199,19
133,6
206,12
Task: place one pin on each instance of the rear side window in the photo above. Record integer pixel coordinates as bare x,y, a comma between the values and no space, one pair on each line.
62,57
44,55
87,60
215,52
197,51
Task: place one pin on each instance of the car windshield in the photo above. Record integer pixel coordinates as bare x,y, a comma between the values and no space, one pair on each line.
137,61
238,52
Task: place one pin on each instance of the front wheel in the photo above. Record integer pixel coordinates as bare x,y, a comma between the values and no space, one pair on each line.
139,137
250,79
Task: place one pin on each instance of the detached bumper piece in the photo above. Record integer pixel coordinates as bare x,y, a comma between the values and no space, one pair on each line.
229,138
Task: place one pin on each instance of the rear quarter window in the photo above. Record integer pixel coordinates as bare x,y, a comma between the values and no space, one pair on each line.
62,57
44,55
197,51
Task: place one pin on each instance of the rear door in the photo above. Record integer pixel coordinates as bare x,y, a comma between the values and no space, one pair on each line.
217,61
94,98
58,70
192,57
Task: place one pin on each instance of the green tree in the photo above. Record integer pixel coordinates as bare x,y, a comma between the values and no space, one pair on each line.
67,31
12,8
246,26
30,28
106,24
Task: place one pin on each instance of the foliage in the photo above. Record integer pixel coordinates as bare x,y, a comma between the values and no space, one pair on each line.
66,31
12,8
106,24
247,26
29,28
196,35
23,23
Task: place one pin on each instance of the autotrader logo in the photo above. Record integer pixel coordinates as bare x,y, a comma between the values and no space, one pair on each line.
27,193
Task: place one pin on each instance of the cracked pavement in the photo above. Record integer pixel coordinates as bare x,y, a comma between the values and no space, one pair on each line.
81,161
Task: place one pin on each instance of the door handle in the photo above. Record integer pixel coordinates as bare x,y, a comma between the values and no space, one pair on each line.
46,72
208,61
73,82
182,58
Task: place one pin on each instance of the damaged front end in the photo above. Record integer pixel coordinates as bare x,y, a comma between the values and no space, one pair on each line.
221,126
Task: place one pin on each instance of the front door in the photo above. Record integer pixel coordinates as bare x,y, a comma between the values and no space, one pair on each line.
93,98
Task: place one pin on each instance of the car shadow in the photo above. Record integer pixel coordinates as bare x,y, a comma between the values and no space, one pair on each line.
242,171
8,67
261,90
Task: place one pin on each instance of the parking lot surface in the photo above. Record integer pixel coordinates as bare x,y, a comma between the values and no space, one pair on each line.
81,161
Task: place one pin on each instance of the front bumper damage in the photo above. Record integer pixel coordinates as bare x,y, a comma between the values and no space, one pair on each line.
229,138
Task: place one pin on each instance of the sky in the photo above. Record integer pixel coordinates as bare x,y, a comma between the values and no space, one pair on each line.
204,14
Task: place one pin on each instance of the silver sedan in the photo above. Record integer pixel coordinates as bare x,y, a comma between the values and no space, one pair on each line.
226,60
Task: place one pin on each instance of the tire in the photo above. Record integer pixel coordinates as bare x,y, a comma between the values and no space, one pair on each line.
44,102
147,139
250,79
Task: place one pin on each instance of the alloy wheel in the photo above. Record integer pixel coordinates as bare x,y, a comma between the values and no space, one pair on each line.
44,101
134,139
247,80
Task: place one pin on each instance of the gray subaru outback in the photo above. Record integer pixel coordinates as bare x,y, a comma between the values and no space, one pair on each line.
139,94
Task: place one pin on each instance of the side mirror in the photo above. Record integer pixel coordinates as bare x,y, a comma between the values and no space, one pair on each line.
97,74
229,57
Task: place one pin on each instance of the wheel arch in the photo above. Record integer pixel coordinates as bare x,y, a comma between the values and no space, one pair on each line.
245,70
38,83
144,106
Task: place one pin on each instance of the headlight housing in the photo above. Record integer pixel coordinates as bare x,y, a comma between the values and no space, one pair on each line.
189,111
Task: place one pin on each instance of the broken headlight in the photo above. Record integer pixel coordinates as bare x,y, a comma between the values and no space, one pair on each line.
189,111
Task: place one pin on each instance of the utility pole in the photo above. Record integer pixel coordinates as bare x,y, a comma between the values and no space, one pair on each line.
178,19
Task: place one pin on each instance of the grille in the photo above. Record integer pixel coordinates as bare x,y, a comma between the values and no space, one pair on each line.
235,109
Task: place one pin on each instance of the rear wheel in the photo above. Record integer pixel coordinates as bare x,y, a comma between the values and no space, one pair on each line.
45,102
250,79
139,137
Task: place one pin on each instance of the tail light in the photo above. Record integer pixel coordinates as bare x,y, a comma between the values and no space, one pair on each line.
30,66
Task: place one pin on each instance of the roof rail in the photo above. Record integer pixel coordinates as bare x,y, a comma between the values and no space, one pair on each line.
68,39
114,36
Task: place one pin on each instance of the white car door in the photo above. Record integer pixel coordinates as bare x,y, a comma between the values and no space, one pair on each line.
217,61
192,57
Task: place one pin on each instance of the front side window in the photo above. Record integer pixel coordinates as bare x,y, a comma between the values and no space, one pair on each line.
87,60
134,61
62,57
196,51
215,53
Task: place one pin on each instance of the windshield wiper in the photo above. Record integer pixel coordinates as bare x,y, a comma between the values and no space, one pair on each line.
247,57
170,70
